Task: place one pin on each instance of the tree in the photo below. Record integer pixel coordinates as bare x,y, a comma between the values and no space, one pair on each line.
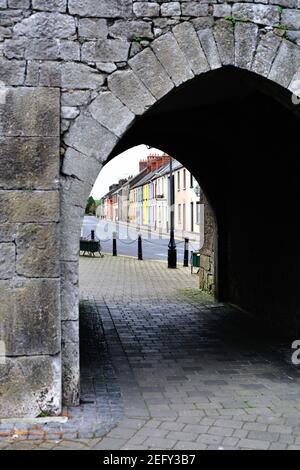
91,206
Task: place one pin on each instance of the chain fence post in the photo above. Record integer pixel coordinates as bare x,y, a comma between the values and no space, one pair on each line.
140,248
115,244
186,253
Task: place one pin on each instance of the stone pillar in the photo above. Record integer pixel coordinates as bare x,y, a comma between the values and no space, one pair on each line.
207,258
30,330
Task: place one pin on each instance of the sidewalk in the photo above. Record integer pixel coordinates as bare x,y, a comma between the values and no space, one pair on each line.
163,367
179,235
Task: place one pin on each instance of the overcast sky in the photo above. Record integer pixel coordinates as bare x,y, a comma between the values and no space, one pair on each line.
124,165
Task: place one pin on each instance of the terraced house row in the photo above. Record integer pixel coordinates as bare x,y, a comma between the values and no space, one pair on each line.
144,199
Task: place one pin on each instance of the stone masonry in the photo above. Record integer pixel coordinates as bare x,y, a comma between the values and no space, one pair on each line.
105,63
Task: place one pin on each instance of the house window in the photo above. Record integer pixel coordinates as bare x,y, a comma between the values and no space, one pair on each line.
192,181
178,180
179,213
184,179
198,213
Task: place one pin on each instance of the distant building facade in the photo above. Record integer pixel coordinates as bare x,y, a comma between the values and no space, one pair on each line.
144,199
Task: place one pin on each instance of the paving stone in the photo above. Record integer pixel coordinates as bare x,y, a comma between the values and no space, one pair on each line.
119,393
254,444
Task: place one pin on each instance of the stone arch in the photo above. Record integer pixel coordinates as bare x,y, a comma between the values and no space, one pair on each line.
172,60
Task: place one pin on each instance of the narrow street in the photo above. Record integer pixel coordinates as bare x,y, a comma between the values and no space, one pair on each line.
155,247
164,367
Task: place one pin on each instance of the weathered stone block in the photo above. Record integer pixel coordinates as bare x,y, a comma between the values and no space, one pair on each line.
22,4
30,316
130,90
70,331
110,50
73,201
30,112
261,14
172,58
15,48
170,9
150,71
146,9
50,5
29,385
265,53
245,44
286,63
92,28
222,10
131,29
7,232
111,113
208,44
70,373
80,76
50,25
69,112
10,17
51,49
75,97
43,73
286,3
7,260
12,72
90,138
82,167
38,250
188,41
102,9
194,9
68,50
291,19
69,291
224,37
29,162
294,87
29,206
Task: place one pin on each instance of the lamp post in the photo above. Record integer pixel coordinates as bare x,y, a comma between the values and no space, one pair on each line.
172,252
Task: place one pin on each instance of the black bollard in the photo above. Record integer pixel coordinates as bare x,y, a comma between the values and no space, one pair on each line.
92,234
140,248
114,244
186,253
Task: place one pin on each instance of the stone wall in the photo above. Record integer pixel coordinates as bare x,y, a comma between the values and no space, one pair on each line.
110,61
30,379
207,253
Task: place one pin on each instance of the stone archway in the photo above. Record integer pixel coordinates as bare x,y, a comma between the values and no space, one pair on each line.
55,47
172,60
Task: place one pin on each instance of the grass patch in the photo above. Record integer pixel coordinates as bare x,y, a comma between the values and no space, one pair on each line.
196,295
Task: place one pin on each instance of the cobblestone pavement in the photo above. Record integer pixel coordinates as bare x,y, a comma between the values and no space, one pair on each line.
176,370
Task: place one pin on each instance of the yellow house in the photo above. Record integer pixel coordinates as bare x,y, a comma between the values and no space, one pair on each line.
145,203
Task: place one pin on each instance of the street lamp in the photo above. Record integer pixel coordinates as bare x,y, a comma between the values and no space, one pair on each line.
172,253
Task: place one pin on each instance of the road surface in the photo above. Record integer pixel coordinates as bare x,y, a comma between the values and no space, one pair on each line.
155,246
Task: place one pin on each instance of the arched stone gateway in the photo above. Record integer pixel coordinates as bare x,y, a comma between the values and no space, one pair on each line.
124,72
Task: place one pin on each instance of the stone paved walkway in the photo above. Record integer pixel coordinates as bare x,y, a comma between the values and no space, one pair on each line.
179,371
